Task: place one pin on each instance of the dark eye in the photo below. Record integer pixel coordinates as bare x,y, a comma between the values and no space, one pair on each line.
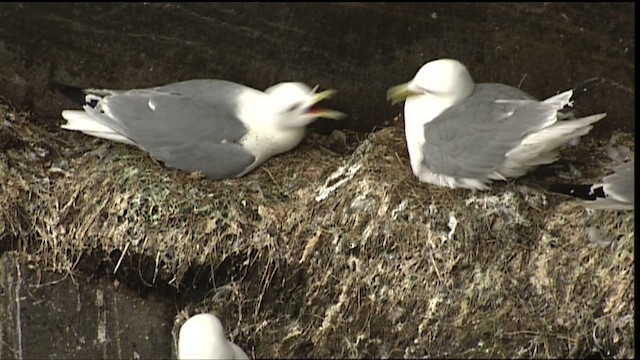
294,107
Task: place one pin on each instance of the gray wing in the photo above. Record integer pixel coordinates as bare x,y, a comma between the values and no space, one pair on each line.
471,138
620,185
191,125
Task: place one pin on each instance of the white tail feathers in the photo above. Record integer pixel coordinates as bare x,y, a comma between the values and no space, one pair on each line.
540,147
616,192
561,100
608,203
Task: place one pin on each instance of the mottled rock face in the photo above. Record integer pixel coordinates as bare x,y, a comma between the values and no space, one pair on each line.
359,49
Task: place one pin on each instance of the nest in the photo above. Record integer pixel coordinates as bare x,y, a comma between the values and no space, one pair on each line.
315,254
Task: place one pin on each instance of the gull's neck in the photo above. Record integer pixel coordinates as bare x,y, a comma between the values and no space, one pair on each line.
419,110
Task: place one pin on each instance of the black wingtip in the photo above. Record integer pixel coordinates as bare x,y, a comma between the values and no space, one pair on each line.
585,192
585,87
73,93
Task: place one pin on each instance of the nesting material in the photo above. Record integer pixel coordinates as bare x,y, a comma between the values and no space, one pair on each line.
381,266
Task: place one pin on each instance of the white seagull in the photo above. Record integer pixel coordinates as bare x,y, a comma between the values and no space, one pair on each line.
202,337
465,135
217,127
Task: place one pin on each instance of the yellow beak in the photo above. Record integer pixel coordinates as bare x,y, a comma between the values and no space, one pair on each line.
320,112
399,93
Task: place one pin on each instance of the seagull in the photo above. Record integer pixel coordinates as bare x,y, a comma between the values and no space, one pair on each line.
465,135
616,192
202,337
216,127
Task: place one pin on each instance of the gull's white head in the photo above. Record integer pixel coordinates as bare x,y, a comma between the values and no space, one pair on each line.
295,104
202,337
446,78
445,81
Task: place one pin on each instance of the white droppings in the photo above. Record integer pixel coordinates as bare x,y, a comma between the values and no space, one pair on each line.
330,185
504,204
430,313
334,310
368,232
453,224
398,209
363,203
599,237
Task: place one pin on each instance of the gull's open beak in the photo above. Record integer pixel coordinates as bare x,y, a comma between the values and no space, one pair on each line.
320,112
399,93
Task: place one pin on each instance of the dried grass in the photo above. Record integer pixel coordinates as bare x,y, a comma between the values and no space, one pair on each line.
318,255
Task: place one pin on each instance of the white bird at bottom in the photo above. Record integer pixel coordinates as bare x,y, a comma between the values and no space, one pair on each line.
202,337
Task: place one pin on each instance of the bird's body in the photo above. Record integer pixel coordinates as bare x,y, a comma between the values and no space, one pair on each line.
217,127
202,337
461,134
615,192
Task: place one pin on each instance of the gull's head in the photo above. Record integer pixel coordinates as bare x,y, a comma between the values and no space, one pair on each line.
295,104
447,79
202,337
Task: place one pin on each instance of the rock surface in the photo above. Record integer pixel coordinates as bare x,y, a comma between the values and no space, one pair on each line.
360,49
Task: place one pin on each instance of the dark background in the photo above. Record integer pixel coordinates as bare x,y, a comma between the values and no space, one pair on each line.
360,49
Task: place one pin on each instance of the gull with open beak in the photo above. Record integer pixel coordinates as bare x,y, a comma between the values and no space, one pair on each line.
216,127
